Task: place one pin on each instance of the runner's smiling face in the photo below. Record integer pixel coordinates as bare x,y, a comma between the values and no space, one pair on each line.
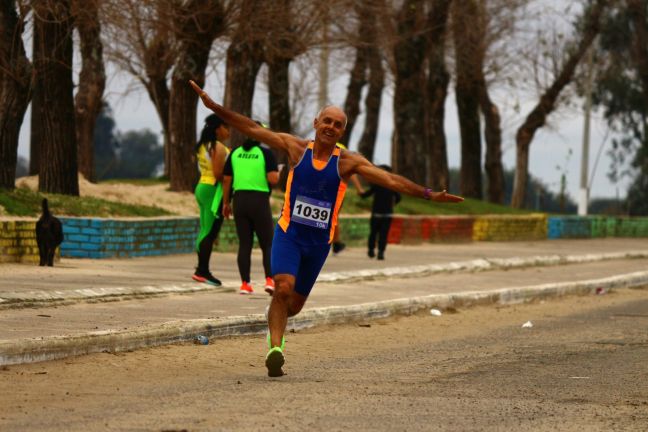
329,125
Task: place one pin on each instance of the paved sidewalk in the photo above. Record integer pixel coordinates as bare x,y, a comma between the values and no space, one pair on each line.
153,303
175,270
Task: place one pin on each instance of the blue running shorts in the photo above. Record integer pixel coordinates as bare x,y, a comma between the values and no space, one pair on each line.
302,261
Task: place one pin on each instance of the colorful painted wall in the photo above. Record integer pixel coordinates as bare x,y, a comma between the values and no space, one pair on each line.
111,238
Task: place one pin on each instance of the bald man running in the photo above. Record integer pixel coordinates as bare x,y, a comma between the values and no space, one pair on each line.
314,193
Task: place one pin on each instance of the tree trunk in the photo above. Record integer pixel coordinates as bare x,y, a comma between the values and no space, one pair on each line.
280,49
243,64
53,25
198,25
244,58
492,119
536,118
158,60
36,121
15,76
637,9
182,118
367,68
409,54
279,94
279,99
493,136
638,191
466,40
367,143
158,92
92,81
438,176
354,91
279,103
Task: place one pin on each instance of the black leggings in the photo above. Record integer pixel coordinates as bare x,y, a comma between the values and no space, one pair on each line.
252,214
380,227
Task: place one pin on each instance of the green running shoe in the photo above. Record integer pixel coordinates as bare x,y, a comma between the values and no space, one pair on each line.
274,361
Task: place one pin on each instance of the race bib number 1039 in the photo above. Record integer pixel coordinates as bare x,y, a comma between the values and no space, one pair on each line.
311,212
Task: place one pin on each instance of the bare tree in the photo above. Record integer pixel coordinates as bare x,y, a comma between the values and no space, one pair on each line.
37,107
358,75
367,143
495,28
146,51
637,10
244,59
538,115
53,25
468,62
490,111
357,81
438,176
197,25
15,78
285,40
368,70
409,54
92,81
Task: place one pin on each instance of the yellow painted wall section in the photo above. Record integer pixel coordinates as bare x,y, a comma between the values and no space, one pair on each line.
18,242
510,228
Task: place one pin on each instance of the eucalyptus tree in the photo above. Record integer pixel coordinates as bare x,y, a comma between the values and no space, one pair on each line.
88,100
15,82
621,89
53,28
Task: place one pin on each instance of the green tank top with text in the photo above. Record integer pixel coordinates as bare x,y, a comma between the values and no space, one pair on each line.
249,169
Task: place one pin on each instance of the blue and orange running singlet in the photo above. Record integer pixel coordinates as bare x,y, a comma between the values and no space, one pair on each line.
314,195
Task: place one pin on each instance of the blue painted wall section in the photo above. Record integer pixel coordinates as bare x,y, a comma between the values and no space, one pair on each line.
596,226
109,238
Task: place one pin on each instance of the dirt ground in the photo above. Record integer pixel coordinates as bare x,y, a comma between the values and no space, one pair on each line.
580,367
178,203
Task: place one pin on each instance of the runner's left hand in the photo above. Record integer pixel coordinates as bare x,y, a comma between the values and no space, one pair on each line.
444,196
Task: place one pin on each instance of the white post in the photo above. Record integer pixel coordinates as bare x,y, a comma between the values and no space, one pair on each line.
583,196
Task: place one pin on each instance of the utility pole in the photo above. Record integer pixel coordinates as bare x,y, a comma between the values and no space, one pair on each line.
583,197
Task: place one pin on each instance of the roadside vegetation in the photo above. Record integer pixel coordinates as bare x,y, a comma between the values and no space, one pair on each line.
24,202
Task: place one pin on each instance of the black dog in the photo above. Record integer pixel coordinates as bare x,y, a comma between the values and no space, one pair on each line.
49,235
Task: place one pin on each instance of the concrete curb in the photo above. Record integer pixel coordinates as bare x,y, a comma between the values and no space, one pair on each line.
19,299
478,265
51,348
9,299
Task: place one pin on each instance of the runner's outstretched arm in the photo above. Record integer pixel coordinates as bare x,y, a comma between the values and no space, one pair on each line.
293,145
356,163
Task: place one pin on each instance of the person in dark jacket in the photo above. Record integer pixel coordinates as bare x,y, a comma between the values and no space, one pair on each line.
381,215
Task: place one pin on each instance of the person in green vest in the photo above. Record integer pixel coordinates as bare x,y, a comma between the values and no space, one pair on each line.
251,171
210,156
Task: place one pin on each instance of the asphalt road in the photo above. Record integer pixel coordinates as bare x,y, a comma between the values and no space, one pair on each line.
581,367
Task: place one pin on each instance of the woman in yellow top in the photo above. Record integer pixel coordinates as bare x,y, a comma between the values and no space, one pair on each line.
210,154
